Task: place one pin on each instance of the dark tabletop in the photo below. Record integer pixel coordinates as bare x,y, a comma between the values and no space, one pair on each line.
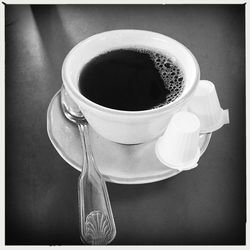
205,205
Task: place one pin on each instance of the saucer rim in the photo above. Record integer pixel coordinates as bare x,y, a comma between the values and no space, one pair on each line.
109,178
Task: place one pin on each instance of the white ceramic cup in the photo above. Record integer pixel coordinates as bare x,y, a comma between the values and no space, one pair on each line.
128,127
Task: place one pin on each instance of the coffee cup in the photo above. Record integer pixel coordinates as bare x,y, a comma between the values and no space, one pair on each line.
123,126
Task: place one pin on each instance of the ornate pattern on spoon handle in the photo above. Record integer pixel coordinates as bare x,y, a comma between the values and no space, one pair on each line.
98,229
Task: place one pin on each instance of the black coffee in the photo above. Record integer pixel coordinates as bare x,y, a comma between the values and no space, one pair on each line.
131,79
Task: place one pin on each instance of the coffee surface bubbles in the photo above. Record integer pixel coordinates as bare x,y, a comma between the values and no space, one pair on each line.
131,79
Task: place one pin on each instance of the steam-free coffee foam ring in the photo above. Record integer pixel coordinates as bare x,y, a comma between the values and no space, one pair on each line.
158,85
170,72
205,104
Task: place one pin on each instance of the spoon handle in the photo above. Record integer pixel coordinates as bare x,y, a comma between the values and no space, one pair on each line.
96,218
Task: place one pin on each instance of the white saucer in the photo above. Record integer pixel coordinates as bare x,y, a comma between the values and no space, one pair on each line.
119,163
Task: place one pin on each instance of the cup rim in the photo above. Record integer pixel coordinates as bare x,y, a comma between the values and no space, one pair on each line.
167,107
